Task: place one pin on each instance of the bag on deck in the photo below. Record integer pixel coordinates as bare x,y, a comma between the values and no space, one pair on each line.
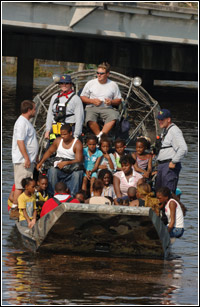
67,168
14,214
153,203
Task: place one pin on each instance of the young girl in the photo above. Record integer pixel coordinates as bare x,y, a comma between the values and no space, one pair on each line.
27,203
143,160
175,212
119,152
41,193
108,190
145,198
108,159
92,157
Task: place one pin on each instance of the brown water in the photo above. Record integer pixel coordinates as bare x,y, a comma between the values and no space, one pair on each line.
52,279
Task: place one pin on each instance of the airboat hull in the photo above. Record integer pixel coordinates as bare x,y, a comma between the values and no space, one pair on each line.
116,231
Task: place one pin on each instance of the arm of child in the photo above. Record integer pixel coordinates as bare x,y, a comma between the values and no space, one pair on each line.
172,207
33,221
96,166
110,162
26,217
149,169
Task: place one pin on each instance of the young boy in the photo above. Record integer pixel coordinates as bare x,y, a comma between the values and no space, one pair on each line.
41,193
97,199
92,157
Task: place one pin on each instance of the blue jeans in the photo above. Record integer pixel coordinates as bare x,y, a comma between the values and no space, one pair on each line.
176,232
73,181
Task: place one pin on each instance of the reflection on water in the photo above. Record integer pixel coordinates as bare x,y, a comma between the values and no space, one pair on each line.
66,279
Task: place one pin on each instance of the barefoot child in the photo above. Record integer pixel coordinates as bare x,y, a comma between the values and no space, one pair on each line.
92,157
27,203
108,159
143,160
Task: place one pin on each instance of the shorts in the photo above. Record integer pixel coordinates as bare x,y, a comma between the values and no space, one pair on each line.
106,114
94,175
20,172
24,223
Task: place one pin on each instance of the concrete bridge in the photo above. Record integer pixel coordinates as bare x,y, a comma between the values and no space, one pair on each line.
136,38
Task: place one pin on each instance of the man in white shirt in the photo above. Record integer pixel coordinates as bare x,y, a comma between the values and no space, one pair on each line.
100,96
24,147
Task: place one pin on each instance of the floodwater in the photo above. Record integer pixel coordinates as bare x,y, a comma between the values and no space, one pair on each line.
52,279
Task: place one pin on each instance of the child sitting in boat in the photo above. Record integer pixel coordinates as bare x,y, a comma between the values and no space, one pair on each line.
119,152
175,212
108,159
61,195
97,199
143,160
92,157
108,190
27,203
41,193
81,196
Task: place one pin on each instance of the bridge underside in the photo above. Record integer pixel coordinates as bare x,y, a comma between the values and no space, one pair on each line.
150,60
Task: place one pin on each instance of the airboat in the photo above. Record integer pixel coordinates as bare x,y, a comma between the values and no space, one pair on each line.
137,106
99,230
102,229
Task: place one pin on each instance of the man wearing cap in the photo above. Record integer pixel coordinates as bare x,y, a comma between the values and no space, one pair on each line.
100,96
65,107
173,149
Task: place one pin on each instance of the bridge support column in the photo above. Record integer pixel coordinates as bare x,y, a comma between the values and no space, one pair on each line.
25,68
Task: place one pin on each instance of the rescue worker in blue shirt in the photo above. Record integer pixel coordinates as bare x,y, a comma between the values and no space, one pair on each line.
65,107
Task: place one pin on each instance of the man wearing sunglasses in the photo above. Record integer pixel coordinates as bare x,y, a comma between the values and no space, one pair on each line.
100,96
65,107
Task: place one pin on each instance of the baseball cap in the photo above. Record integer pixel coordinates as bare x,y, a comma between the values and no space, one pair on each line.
65,79
164,113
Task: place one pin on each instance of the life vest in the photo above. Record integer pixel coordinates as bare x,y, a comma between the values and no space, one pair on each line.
60,115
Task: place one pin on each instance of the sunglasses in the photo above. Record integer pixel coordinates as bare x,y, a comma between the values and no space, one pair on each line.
101,73
61,83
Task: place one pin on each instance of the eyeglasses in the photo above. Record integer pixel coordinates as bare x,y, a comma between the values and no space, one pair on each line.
60,83
100,73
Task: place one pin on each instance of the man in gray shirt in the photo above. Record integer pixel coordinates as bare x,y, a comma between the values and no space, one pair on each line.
173,149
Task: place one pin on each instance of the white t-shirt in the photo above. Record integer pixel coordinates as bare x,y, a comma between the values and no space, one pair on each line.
24,131
93,89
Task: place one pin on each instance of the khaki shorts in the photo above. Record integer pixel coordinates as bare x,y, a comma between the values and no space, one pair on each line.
105,114
20,172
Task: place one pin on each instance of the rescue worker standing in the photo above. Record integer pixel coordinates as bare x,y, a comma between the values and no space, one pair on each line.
65,107
173,149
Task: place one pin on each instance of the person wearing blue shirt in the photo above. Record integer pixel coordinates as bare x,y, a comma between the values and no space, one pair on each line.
92,157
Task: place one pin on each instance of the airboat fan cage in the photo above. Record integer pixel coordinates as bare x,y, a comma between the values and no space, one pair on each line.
138,107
